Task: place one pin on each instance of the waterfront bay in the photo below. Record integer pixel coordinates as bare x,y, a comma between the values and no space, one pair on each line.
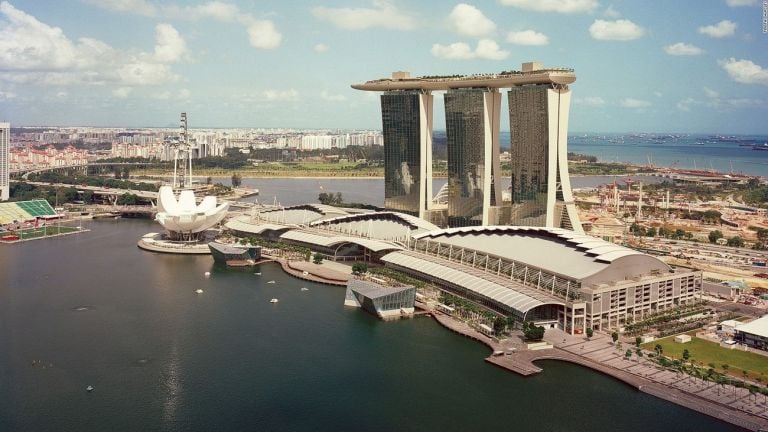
93,309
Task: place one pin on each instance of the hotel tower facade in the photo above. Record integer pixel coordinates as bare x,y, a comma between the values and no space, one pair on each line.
537,193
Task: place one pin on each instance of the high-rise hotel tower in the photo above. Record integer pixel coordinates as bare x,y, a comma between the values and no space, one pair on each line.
538,193
5,144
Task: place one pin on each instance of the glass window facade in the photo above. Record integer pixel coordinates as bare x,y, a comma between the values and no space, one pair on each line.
402,154
529,151
465,131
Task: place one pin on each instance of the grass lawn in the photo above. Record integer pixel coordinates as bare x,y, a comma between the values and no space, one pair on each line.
31,233
704,352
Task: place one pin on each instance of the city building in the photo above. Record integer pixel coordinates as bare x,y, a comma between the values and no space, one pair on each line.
551,276
5,168
539,189
379,299
753,334
407,129
471,126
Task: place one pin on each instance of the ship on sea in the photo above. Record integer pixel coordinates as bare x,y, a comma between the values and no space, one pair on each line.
235,255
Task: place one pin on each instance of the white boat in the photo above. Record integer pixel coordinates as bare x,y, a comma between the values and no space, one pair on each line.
207,274
258,273
271,281
304,289
274,300
199,291
89,388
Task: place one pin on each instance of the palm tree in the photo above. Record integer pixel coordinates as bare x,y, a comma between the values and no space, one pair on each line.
658,348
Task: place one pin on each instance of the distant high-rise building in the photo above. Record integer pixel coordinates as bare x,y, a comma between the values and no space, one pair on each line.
407,128
5,144
471,126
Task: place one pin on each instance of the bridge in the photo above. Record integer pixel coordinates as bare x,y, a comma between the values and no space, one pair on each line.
26,172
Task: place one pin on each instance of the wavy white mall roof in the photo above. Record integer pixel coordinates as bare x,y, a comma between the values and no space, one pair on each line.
326,240
556,250
510,294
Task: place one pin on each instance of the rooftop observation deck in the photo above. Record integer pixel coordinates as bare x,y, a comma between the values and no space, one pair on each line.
532,73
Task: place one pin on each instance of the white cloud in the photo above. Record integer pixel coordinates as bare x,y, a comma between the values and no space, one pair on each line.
561,6
263,35
454,51
62,94
658,94
746,103
634,103
611,12
737,3
332,97
468,20
7,95
683,49
486,49
722,29
140,73
593,101
321,48
711,93
384,14
32,52
122,92
139,7
281,95
527,37
619,30
744,71
184,94
489,49
170,46
685,104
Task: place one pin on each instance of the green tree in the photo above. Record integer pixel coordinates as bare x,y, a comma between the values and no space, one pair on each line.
317,258
126,173
590,332
715,235
359,267
628,354
686,354
651,232
208,180
638,341
615,336
510,322
736,241
237,180
659,349
499,324
532,332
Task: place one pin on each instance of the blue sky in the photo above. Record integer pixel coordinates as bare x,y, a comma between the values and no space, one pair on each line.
651,65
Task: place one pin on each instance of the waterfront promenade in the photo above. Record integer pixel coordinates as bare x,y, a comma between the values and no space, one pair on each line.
729,403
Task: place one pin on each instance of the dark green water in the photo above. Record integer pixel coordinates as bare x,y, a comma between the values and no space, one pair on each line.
162,357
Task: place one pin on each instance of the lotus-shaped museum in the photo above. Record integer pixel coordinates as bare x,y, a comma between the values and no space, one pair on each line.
184,218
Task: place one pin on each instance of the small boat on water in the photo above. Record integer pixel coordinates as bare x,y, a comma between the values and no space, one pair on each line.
258,273
304,289
763,147
274,300
89,388
199,291
271,281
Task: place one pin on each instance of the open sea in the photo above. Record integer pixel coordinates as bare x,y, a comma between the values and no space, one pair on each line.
93,309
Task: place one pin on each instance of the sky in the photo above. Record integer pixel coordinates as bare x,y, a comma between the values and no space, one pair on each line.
696,66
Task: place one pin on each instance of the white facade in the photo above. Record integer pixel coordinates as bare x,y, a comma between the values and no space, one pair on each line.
5,143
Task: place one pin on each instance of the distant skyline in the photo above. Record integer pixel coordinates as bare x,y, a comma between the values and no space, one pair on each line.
655,66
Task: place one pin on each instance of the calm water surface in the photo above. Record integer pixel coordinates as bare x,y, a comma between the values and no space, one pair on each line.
93,309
